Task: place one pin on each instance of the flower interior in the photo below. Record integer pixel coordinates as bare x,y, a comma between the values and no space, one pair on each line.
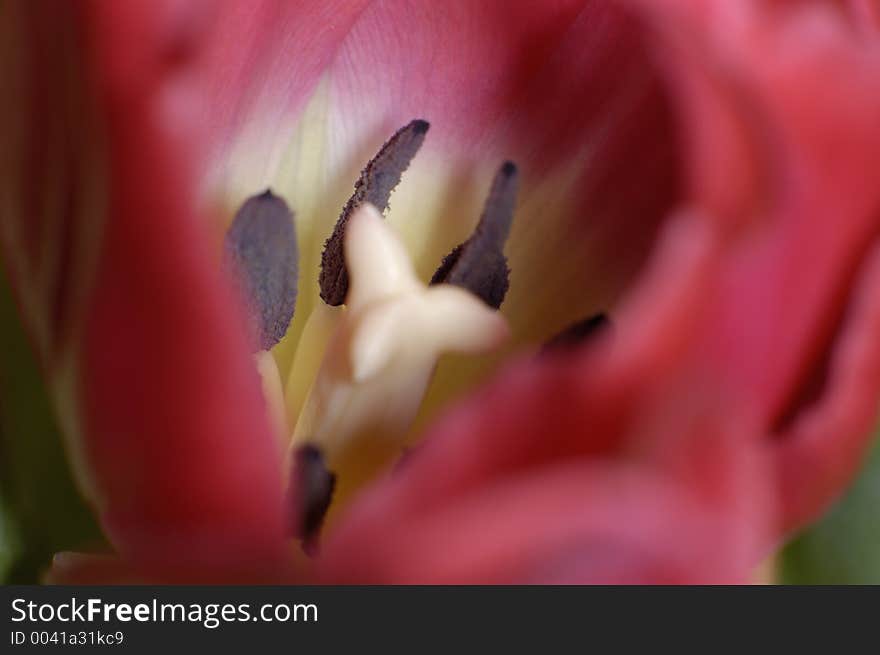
374,339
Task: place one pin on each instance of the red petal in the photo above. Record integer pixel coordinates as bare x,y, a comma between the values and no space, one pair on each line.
176,424
821,451
807,92
867,13
159,396
573,524
680,497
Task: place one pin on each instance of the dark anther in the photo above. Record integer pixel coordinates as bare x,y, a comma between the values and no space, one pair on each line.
577,334
260,251
311,490
381,175
479,264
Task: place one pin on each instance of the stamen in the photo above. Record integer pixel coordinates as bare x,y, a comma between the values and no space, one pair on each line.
381,175
383,351
577,333
479,264
312,488
261,253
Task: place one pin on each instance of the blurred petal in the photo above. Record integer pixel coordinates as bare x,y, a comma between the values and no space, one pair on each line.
158,395
574,524
808,92
821,450
867,13
677,498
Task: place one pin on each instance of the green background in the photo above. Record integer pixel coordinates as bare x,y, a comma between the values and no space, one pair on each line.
40,510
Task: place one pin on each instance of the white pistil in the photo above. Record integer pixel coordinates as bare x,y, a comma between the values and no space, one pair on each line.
384,349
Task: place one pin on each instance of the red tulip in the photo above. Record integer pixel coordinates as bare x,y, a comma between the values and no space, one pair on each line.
701,170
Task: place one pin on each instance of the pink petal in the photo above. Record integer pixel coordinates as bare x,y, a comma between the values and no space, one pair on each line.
808,93
191,467
681,497
867,13
822,449
158,394
572,524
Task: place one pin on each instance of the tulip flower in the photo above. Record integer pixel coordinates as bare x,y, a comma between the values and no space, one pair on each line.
616,305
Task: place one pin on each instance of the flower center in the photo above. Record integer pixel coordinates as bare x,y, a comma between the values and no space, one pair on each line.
376,339
382,353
